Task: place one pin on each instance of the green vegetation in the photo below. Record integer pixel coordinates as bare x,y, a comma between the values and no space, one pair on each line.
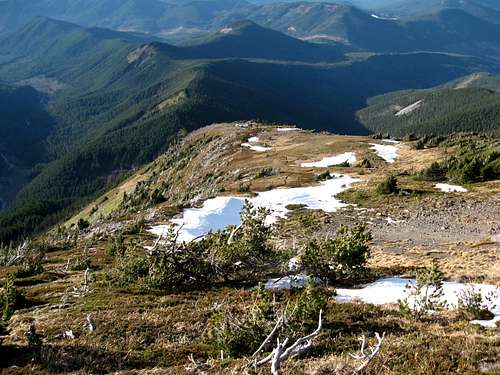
235,254
243,335
425,296
81,262
341,257
388,186
476,159
221,326
25,124
472,305
10,298
440,110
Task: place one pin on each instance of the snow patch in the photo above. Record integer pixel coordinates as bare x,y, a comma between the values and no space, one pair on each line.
348,157
217,213
390,290
226,30
287,129
292,29
390,140
450,188
409,109
252,146
256,148
383,18
387,152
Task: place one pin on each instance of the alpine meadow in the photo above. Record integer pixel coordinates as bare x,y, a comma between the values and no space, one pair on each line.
250,187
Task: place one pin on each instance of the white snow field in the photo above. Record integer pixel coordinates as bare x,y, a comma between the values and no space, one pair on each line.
446,188
251,144
287,129
217,213
383,18
409,109
256,148
349,157
387,152
390,140
390,290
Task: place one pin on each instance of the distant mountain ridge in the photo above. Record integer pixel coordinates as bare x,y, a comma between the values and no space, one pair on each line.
149,16
431,25
246,39
447,30
488,10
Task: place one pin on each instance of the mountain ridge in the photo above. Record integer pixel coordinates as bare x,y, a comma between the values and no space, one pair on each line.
139,97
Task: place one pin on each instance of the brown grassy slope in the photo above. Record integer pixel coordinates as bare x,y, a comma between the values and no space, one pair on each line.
143,332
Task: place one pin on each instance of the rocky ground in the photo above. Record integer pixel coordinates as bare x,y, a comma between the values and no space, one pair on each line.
463,232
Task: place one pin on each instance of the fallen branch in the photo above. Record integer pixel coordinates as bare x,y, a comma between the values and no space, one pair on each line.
198,366
364,357
281,353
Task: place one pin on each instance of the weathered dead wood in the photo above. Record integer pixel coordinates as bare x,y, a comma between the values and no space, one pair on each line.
365,357
282,352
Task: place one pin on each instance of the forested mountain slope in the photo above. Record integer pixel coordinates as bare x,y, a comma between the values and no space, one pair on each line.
24,126
469,104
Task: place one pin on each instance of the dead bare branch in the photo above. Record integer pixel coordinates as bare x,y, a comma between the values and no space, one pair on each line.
281,353
90,323
365,357
233,233
198,366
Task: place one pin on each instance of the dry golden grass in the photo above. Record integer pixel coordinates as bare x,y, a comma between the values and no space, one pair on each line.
153,333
